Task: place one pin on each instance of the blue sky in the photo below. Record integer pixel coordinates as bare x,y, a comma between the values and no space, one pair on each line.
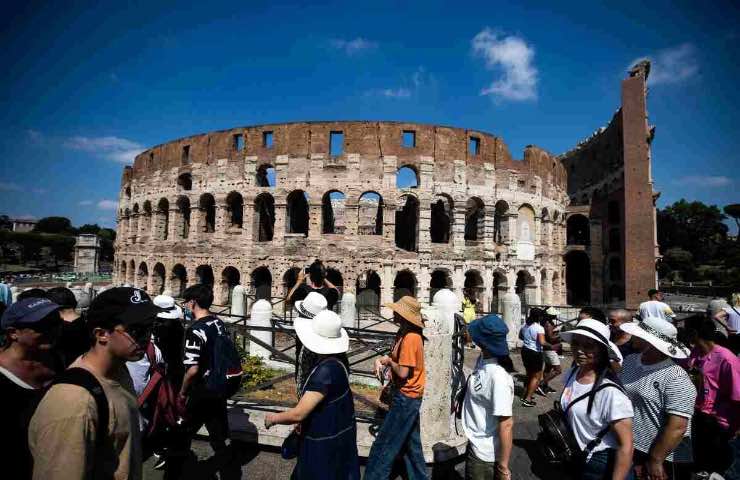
87,86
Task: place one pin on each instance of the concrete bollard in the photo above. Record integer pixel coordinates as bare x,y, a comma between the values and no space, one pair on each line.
14,292
260,317
238,301
348,310
512,313
68,284
448,305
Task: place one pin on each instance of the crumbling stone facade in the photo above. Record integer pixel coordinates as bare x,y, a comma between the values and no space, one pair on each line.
253,205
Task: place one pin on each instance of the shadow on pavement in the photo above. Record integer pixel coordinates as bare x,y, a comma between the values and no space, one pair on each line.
541,468
228,464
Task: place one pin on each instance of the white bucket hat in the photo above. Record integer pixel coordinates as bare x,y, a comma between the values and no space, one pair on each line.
323,334
167,303
595,330
310,306
659,333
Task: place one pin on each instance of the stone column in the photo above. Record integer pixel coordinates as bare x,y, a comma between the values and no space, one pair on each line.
173,233
260,317
278,237
423,284
314,220
348,310
458,227
512,313
488,224
386,288
458,281
425,221
223,222
248,220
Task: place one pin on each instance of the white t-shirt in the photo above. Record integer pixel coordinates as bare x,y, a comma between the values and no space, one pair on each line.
529,336
654,308
490,395
733,318
610,404
140,371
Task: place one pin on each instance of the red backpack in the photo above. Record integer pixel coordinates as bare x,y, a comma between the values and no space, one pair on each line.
160,398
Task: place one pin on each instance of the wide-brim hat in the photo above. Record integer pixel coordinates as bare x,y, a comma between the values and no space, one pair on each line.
170,311
595,330
310,306
322,334
409,308
489,332
659,333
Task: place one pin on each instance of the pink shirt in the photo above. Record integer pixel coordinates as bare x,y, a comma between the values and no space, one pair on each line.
720,395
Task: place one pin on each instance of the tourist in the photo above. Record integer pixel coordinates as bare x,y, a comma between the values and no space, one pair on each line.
601,415
308,308
81,430
551,352
619,337
592,312
31,328
469,314
655,307
6,296
487,409
663,399
716,372
316,281
400,432
532,335
325,411
74,339
169,335
729,316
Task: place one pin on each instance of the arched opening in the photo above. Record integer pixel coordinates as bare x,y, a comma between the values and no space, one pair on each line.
158,273
368,293
578,278
230,278
370,214
525,224
264,217
335,277
613,213
127,230
127,192
474,219
407,223
474,286
185,181
142,276
500,221
440,279
131,273
407,177
122,273
235,209
404,284
615,240
578,232
616,294
183,207
204,275
615,269
497,291
440,225
178,280
163,219
207,205
266,176
261,283
332,212
297,213
524,283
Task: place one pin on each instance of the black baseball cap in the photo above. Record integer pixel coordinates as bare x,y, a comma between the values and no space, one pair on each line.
122,306
28,311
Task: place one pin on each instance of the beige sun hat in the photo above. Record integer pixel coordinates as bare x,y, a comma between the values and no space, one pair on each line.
409,308
322,334
659,333
595,330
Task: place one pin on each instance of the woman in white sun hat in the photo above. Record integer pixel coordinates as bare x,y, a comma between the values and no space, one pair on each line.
596,408
328,440
308,308
663,399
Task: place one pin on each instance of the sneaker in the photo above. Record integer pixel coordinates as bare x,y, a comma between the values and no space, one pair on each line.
527,403
541,391
159,462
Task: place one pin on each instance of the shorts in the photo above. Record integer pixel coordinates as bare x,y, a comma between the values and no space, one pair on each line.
532,360
551,358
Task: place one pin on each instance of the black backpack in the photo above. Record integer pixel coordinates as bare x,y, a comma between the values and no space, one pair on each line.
224,376
556,440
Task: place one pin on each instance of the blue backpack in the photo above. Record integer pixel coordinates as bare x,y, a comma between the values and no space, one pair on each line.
224,377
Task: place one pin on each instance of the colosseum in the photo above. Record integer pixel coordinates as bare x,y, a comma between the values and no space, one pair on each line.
394,207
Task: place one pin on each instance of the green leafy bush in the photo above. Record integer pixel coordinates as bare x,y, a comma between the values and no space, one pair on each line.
255,371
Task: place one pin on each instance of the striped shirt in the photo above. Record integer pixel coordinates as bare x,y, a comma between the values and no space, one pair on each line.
656,391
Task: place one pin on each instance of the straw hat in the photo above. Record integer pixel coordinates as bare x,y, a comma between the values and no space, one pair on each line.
310,306
595,330
659,333
409,308
167,304
322,334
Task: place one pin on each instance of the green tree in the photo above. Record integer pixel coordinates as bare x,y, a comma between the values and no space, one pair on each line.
694,227
5,223
89,228
59,225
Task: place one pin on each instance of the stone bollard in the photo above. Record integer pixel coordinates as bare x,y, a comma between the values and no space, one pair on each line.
68,284
14,292
448,305
238,302
512,313
260,317
348,310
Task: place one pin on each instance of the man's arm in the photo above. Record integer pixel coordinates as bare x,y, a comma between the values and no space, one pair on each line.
190,375
505,435
667,440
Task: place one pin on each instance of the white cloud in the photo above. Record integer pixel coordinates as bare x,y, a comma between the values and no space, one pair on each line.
672,65
85,203
353,47
396,92
514,58
704,181
10,187
107,205
118,149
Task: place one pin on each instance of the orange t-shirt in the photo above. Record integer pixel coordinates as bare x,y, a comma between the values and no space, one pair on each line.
410,354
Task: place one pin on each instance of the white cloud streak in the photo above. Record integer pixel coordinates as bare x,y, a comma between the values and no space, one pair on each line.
513,57
672,65
708,181
107,205
117,149
354,46
395,92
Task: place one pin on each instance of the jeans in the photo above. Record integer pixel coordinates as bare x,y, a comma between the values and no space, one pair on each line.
600,466
398,435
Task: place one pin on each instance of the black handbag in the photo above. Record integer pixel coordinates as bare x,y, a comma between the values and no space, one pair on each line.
290,445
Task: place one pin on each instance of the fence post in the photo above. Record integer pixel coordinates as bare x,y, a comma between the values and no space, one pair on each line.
512,313
260,317
348,311
238,302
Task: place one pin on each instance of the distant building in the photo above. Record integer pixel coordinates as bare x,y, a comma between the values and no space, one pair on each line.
87,253
23,224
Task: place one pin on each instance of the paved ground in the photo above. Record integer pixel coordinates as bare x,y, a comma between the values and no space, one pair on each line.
250,462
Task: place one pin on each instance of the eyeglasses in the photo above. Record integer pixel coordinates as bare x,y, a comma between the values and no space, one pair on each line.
139,334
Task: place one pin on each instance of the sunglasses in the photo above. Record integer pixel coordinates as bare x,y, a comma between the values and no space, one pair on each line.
139,334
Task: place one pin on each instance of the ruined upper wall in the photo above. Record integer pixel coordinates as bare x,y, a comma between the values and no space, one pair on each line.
371,140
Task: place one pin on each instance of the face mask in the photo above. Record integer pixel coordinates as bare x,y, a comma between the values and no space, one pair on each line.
187,313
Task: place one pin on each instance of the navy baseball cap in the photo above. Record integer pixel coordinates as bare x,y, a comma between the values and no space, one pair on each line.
489,332
122,306
28,311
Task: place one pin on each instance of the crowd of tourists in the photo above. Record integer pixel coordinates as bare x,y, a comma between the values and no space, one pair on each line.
93,396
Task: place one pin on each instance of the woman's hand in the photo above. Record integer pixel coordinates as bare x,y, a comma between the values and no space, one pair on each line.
380,364
301,276
269,420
